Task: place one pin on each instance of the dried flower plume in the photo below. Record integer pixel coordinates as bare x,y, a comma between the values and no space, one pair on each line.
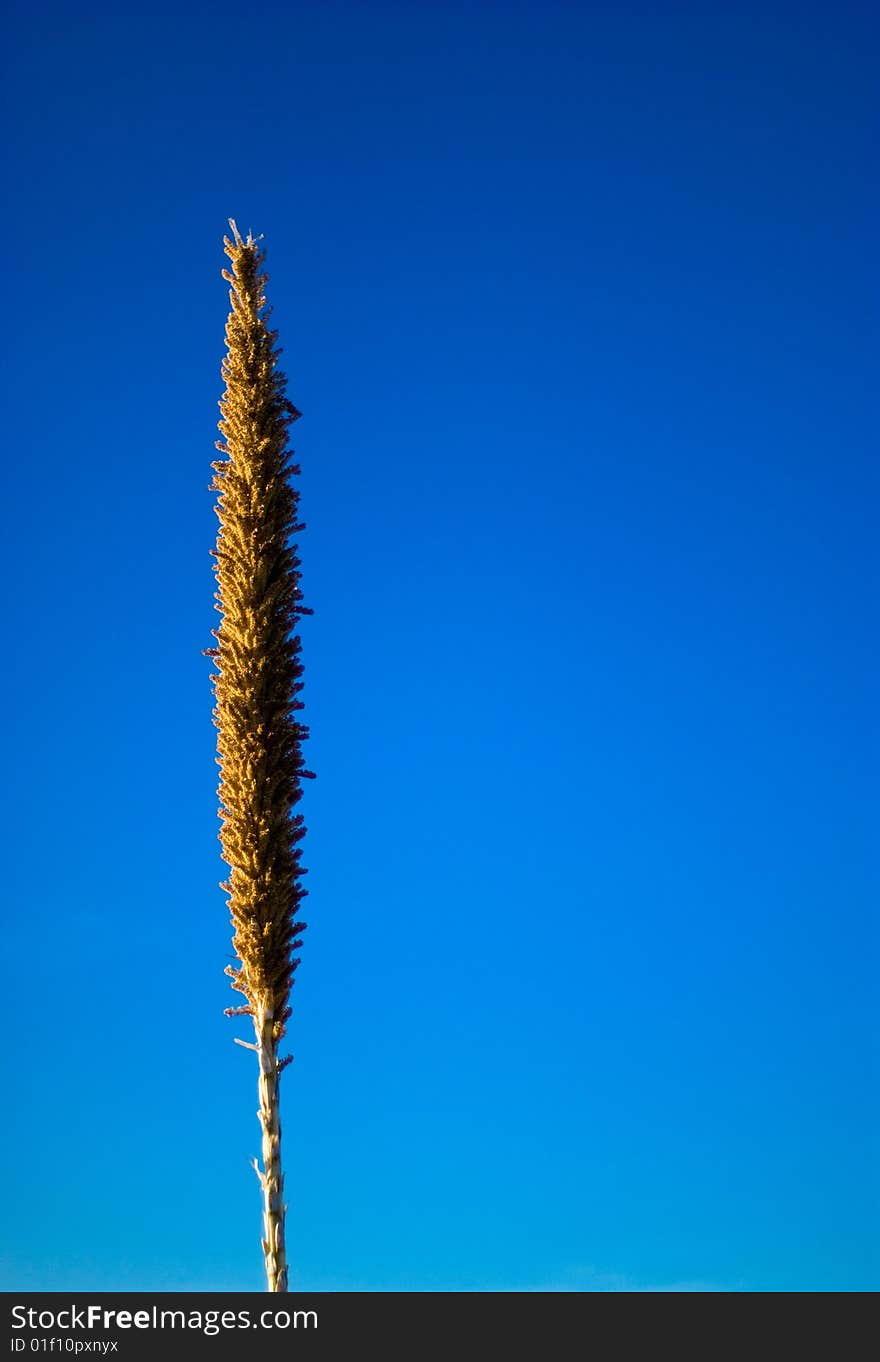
256,687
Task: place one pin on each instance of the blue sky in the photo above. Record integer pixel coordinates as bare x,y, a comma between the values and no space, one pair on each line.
577,303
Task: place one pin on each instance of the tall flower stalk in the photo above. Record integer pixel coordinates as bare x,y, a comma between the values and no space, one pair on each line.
256,688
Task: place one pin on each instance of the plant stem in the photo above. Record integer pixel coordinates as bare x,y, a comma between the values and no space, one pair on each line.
271,1178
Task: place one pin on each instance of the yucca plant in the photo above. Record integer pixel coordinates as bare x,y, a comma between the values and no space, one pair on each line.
256,686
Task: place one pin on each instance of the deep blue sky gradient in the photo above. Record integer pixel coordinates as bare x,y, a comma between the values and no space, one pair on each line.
578,302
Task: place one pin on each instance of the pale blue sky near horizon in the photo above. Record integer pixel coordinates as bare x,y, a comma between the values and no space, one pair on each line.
579,305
